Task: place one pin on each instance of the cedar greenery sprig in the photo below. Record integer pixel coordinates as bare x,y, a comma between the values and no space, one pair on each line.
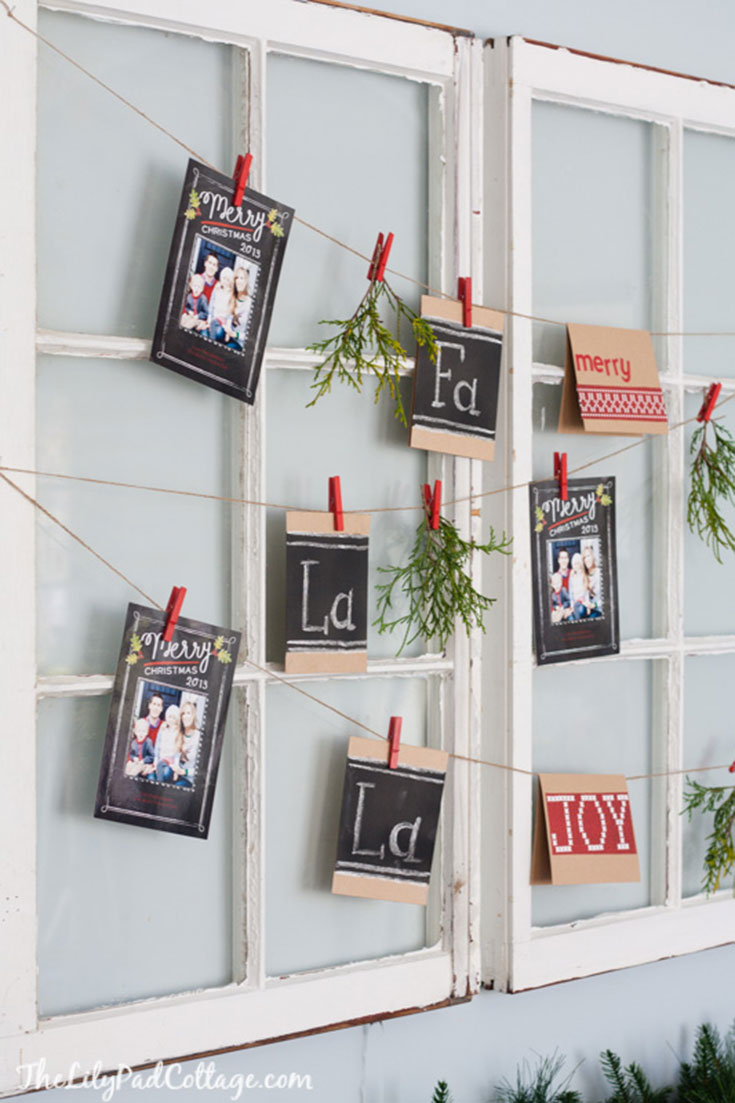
719,859
436,584
364,346
713,485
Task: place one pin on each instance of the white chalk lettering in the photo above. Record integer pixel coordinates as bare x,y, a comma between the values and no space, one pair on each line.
306,565
357,828
408,855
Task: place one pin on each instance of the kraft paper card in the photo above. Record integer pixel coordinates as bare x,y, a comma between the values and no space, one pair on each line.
584,831
611,383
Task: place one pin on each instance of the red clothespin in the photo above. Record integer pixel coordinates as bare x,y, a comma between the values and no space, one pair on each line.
710,401
240,176
172,611
394,741
335,503
731,767
560,473
433,503
464,294
376,271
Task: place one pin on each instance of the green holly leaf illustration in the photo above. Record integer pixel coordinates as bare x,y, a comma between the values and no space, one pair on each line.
539,514
219,643
277,229
224,656
599,490
136,644
540,526
190,213
131,659
272,214
605,500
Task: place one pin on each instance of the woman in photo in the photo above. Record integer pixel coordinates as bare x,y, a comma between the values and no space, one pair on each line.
578,593
219,305
168,746
189,745
236,325
594,579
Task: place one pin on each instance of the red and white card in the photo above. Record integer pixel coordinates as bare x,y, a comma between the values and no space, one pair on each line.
584,831
611,383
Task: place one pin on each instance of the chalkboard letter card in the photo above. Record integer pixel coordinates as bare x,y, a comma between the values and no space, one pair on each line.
574,570
220,283
611,383
166,725
326,593
584,831
389,821
455,397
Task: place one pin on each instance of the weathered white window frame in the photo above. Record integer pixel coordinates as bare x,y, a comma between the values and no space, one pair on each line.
254,1007
519,72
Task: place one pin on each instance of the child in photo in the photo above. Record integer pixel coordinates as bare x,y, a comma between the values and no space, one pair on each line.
220,305
141,757
196,307
561,605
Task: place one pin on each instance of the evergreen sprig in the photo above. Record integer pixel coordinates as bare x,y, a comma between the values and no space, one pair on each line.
436,584
630,1083
441,1093
539,1085
364,345
710,1076
719,859
713,486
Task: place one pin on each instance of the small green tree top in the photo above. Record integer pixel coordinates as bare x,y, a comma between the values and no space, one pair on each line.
710,1076
719,859
539,1085
630,1084
712,486
364,345
441,1093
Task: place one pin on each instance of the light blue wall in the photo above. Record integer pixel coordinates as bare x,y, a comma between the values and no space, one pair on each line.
647,1014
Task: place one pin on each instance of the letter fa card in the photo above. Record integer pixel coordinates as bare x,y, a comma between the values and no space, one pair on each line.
611,383
455,396
574,570
326,593
166,725
220,283
389,822
584,831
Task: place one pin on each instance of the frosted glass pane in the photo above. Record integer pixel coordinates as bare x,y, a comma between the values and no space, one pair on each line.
109,182
132,422
708,681
634,472
344,434
306,750
709,240
348,150
124,912
592,223
595,719
709,586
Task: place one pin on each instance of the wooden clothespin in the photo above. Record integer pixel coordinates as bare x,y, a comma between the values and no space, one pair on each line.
560,473
464,294
394,741
240,176
376,271
335,503
710,401
172,611
433,503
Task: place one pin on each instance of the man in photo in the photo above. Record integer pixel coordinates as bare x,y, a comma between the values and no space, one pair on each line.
563,568
211,268
154,713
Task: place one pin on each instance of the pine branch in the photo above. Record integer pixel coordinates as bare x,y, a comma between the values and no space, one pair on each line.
712,487
436,585
441,1093
710,1077
630,1083
539,1085
363,345
719,859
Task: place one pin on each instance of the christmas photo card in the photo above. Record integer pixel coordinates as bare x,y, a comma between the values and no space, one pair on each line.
166,724
220,283
574,570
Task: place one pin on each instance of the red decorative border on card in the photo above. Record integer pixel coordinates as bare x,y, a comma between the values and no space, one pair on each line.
621,403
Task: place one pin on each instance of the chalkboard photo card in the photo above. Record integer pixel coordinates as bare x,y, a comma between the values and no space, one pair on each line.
389,822
166,724
455,397
220,283
326,593
574,570
584,831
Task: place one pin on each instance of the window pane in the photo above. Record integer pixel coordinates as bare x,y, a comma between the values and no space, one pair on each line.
306,751
595,718
707,740
124,913
348,150
709,240
346,434
132,422
108,181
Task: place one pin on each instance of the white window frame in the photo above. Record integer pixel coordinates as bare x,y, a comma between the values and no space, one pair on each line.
254,1007
518,73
